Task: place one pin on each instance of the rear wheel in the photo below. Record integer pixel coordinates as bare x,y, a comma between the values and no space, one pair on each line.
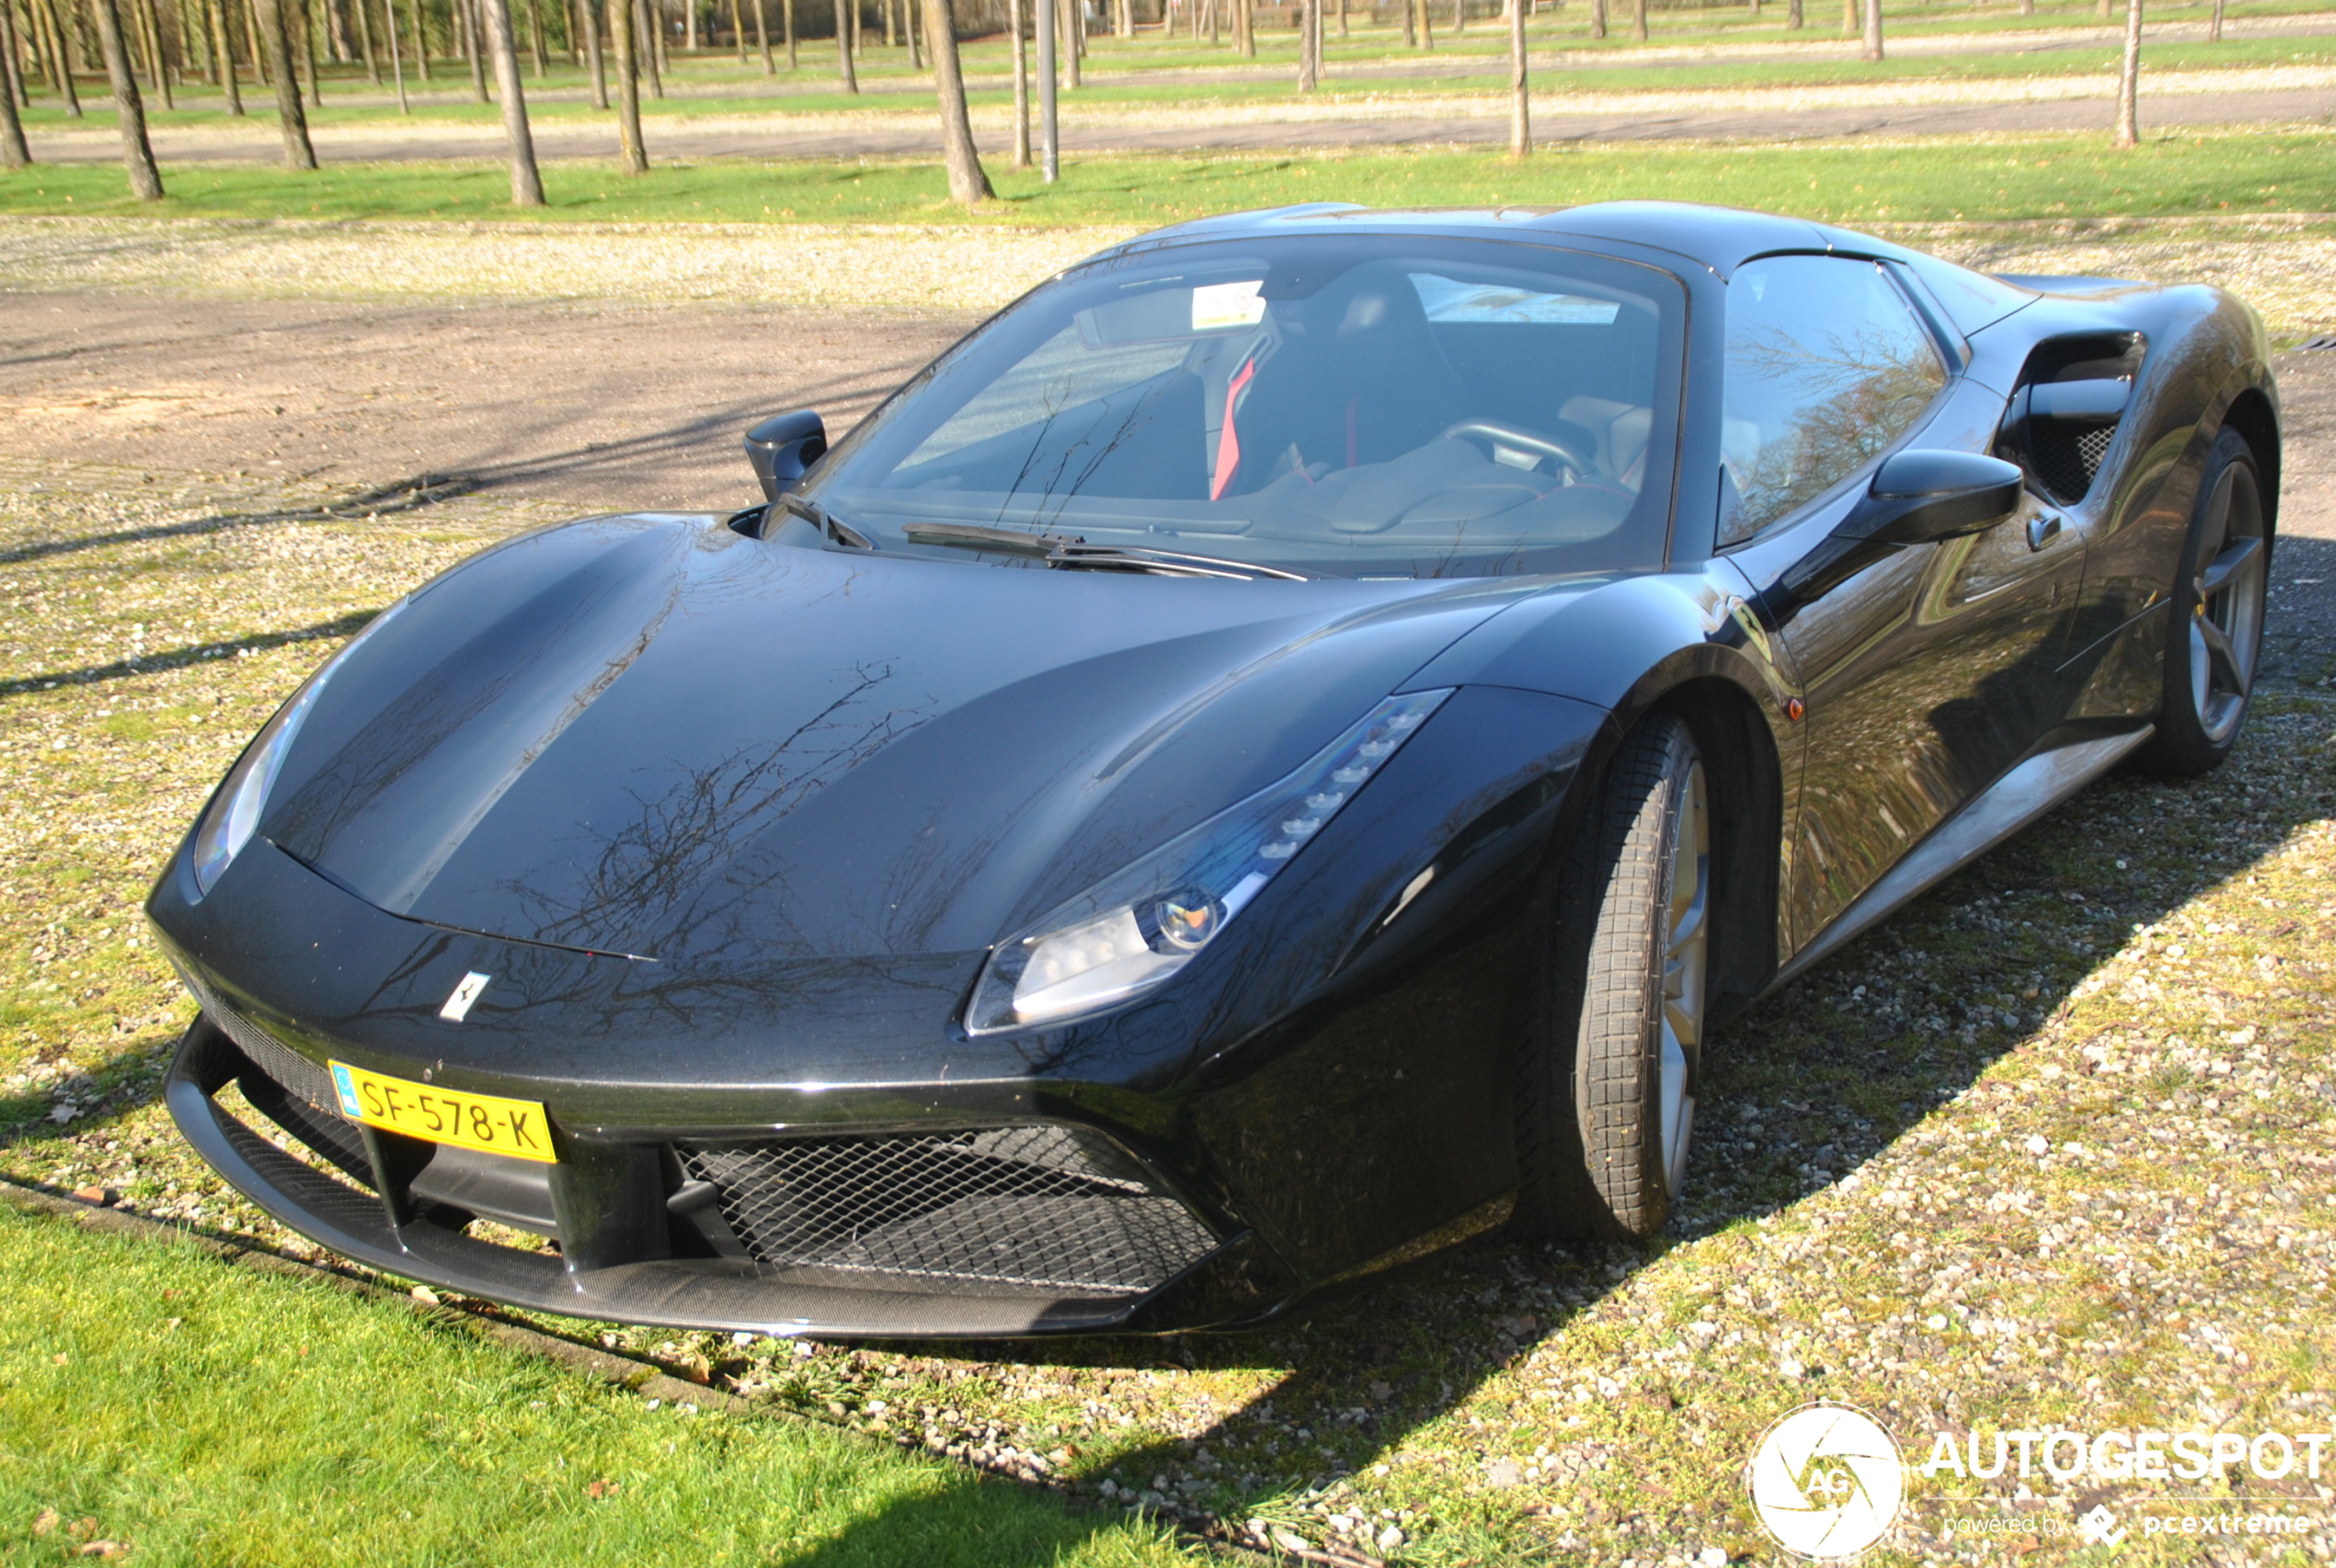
2218,606
1609,1081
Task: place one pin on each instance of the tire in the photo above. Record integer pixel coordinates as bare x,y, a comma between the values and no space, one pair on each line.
2217,626
1606,1076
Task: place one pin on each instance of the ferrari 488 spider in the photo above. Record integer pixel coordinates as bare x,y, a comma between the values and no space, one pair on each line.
1271,755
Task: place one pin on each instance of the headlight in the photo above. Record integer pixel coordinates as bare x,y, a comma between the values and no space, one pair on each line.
1130,934
234,810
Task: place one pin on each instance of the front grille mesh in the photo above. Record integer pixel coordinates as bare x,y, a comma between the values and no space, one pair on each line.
293,1072
1049,1207
305,1104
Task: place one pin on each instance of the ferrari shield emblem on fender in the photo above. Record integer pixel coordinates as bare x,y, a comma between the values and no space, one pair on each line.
458,1006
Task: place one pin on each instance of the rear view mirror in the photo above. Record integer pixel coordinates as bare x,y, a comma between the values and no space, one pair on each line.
1917,497
784,446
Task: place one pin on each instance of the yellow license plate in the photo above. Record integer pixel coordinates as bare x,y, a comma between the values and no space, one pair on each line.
486,1122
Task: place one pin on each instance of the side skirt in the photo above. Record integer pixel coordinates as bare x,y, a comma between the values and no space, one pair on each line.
2003,808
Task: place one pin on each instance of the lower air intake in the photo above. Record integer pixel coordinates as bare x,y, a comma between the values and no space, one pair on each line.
1053,1207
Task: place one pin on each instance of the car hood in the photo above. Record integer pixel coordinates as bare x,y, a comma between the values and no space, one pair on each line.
651,736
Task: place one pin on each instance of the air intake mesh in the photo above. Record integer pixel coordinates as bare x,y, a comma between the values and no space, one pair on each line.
1049,1207
303,1084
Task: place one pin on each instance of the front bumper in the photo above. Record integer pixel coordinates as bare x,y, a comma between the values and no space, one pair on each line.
644,1237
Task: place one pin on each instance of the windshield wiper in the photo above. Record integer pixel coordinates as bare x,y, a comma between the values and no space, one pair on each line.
1079,556
973,536
826,522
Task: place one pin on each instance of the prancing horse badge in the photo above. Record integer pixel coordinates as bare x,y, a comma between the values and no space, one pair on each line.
458,1006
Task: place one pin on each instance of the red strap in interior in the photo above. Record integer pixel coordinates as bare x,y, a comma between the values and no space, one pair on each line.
1228,441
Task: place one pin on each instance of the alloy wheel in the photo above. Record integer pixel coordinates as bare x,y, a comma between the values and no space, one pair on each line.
1686,940
2226,618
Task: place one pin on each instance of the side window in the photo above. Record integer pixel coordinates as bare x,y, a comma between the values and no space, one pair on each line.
1827,365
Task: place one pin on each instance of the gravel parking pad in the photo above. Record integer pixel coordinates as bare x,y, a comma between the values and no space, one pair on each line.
2057,1146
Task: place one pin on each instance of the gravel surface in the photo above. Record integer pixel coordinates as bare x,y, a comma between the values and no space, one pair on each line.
2056,1146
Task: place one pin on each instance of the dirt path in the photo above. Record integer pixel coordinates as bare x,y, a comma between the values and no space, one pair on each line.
596,406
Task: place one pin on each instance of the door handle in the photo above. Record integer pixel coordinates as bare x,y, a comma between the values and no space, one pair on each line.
2042,529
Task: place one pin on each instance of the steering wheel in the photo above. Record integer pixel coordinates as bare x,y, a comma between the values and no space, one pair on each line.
1493,432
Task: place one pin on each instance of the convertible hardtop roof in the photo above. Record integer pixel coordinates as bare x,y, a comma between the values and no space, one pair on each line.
1720,238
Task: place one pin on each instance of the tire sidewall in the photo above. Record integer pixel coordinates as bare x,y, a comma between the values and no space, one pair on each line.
2181,745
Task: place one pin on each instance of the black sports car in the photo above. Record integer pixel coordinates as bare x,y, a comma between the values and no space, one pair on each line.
1269,757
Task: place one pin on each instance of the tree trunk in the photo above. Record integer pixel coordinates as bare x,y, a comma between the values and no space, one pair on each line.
307,48
474,48
1049,144
2129,81
535,38
11,86
396,54
1638,20
786,16
290,118
1873,49
223,44
737,29
421,38
336,32
632,158
1071,25
1305,49
157,60
763,36
594,63
845,73
968,186
1460,18
917,61
689,18
49,27
365,41
647,47
146,180
2213,27
1015,23
527,185
14,153
1793,15
1214,36
1521,107
1426,24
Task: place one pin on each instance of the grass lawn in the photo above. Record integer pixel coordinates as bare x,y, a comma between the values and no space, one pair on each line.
2057,1145
194,1413
2070,176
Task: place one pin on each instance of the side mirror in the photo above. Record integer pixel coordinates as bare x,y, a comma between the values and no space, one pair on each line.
784,446
1917,497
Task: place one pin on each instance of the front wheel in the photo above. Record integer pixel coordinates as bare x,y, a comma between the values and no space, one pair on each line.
1609,1081
2217,605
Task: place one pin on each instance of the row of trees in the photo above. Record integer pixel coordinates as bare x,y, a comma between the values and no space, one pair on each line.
280,42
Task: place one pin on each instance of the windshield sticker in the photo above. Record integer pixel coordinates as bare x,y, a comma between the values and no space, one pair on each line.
1444,300
1216,306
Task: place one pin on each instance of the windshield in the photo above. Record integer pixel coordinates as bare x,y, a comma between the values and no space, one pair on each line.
1359,405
